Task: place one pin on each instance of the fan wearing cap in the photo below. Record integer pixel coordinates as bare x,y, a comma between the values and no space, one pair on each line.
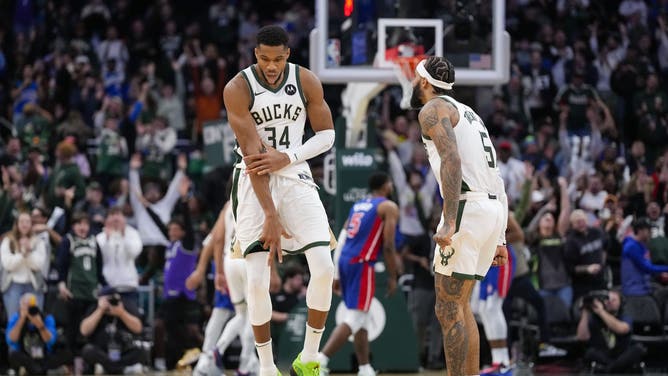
471,234
637,268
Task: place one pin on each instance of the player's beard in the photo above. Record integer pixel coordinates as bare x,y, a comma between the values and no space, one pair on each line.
416,102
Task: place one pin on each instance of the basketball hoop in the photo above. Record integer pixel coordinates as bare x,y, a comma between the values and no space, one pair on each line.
404,69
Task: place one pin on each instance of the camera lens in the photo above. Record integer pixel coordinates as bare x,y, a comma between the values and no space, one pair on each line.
33,310
113,301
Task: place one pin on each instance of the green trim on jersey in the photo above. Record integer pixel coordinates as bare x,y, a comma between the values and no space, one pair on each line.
286,73
235,189
465,187
256,246
250,90
307,247
460,213
299,85
461,276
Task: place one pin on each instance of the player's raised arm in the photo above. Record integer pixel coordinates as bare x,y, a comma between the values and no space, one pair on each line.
237,101
435,123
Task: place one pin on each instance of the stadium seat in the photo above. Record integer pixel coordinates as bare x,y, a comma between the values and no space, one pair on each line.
645,314
647,323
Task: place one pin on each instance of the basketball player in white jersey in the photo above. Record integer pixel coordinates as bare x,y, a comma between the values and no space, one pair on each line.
471,235
274,193
233,279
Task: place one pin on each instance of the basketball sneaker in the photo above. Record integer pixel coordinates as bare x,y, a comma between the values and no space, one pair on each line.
550,351
368,372
304,369
497,369
206,366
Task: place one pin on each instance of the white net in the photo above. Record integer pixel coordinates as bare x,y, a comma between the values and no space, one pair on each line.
404,69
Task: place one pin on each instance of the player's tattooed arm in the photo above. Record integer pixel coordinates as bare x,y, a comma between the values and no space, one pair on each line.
435,123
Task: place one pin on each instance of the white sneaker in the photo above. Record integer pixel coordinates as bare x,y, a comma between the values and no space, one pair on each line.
99,370
136,369
372,372
206,366
549,351
160,365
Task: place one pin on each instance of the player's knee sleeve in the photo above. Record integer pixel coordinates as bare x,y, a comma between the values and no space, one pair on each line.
259,301
319,293
355,319
492,318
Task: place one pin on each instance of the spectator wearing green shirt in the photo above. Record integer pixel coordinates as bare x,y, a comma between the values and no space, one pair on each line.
576,98
112,153
66,185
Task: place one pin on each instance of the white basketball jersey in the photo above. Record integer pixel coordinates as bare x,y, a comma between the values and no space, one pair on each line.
229,232
279,115
480,172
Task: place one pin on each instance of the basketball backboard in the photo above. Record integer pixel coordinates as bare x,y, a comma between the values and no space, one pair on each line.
349,36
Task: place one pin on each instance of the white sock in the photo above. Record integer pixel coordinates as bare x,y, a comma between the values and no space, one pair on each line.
366,368
265,354
269,371
323,359
500,356
311,344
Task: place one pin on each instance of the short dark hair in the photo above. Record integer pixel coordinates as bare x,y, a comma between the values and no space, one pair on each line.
272,35
441,69
177,220
115,210
80,216
44,212
640,223
377,180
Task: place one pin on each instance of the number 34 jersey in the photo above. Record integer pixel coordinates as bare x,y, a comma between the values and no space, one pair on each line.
480,172
279,115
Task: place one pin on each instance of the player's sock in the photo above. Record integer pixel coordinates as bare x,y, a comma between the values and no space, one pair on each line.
311,344
265,354
500,356
323,359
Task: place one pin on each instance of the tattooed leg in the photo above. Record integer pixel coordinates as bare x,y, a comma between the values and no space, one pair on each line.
460,332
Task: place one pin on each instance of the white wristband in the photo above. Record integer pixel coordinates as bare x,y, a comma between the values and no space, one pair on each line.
314,146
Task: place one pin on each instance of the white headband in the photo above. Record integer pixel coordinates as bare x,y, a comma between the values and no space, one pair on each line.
422,71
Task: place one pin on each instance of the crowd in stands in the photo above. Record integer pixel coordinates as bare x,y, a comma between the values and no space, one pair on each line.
103,103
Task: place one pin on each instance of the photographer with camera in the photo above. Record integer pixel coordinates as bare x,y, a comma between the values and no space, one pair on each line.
608,333
111,329
31,338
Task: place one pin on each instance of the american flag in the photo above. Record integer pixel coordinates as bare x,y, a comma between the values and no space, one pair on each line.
480,61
